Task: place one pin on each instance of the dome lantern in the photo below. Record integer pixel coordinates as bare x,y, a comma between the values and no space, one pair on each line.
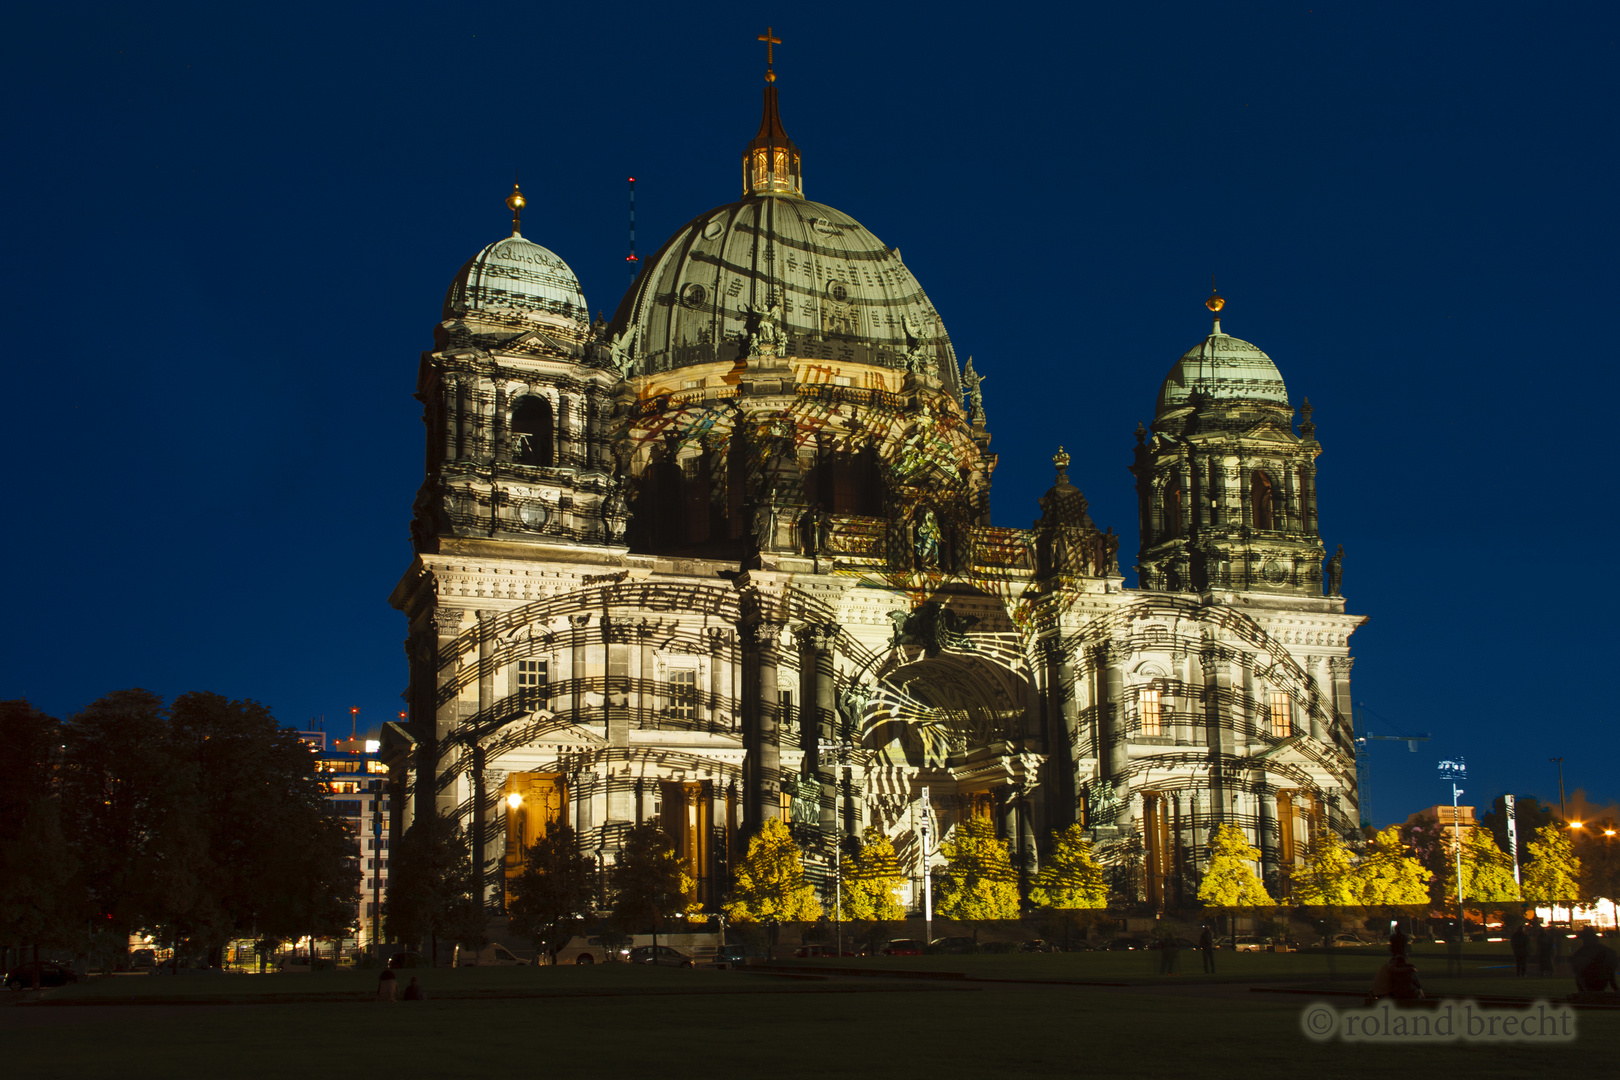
770,160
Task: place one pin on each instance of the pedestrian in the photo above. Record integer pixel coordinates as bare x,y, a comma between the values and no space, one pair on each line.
1521,951
387,985
1167,953
1397,980
1397,943
1545,944
1206,945
413,992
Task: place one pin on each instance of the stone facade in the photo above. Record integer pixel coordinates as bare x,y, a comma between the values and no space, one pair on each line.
729,558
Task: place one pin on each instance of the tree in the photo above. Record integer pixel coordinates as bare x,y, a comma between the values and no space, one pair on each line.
872,877
1230,881
1388,876
648,880
552,891
41,901
1071,877
769,883
1328,878
1487,871
1553,875
431,886
978,881
130,810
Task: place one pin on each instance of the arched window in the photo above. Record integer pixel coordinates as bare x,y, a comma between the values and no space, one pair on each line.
532,430
1260,501
1172,512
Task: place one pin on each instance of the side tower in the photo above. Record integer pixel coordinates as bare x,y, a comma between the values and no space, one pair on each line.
1226,490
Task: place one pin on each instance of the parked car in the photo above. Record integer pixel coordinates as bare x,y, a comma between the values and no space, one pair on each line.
50,974
1037,945
1348,941
1248,944
954,945
496,955
731,955
143,958
903,946
591,949
660,956
1126,944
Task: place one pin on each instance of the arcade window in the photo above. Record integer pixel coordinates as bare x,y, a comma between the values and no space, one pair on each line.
683,694
1282,714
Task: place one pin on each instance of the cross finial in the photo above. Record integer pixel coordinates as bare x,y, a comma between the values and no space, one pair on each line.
771,41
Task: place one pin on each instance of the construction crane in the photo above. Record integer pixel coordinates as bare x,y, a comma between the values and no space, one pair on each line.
1363,737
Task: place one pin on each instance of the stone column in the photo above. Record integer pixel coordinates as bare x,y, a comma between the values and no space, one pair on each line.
576,663
1341,734
1307,479
450,397
1112,657
719,653
1270,840
1217,684
1189,505
815,651
433,754
499,437
486,705
1062,713
762,738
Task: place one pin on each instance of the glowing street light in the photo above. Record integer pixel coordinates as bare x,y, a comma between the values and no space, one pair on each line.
514,800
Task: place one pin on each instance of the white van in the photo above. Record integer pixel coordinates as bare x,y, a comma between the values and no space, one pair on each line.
496,955
589,950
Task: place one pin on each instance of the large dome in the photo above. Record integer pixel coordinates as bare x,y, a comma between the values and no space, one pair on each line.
514,276
1224,368
844,295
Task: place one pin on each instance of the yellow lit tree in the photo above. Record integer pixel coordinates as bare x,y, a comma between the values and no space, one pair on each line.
1230,881
871,878
1070,878
770,881
1553,875
1389,876
1487,871
1328,877
978,881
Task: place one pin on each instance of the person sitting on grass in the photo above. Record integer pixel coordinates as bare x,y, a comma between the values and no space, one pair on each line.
1397,979
387,985
1593,963
413,992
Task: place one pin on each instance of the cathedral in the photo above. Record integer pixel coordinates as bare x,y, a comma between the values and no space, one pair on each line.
729,557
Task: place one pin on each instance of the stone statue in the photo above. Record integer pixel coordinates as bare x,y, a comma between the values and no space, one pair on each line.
823,531
765,522
972,380
1111,553
763,334
927,541
1336,572
919,345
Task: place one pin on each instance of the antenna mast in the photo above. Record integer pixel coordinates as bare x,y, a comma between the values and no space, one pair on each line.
631,258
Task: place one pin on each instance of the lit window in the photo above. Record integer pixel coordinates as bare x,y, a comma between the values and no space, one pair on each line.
1152,712
683,694
1282,714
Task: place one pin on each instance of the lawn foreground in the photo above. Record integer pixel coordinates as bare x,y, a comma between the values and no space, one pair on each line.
612,1020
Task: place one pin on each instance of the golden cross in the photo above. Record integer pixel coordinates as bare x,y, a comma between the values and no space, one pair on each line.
771,41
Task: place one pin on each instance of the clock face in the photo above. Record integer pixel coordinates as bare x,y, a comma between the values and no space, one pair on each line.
1274,572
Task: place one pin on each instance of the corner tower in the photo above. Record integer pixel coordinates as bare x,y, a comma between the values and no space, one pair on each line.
1226,490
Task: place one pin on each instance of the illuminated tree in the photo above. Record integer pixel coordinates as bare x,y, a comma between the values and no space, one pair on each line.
1328,877
978,881
1070,877
769,883
1487,871
552,891
1230,881
1553,876
871,878
1388,875
649,880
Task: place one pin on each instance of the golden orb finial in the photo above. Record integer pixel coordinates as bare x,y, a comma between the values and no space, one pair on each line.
516,202
1215,303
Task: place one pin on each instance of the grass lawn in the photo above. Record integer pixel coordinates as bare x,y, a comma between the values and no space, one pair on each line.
613,1020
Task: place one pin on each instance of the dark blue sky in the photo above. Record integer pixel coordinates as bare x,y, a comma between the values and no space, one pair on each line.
229,232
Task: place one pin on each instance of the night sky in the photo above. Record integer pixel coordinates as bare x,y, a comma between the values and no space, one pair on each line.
229,231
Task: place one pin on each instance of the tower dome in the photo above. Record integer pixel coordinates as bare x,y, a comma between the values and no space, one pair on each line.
834,291
1224,368
515,276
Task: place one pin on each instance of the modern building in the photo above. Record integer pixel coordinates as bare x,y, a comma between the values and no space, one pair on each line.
355,780
729,557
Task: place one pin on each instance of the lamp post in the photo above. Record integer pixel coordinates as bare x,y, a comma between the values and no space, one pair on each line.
838,749
1454,771
928,880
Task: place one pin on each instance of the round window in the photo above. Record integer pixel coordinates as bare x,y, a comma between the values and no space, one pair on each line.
694,295
838,292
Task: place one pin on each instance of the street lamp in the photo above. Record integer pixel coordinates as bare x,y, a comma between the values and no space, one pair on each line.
838,836
514,800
